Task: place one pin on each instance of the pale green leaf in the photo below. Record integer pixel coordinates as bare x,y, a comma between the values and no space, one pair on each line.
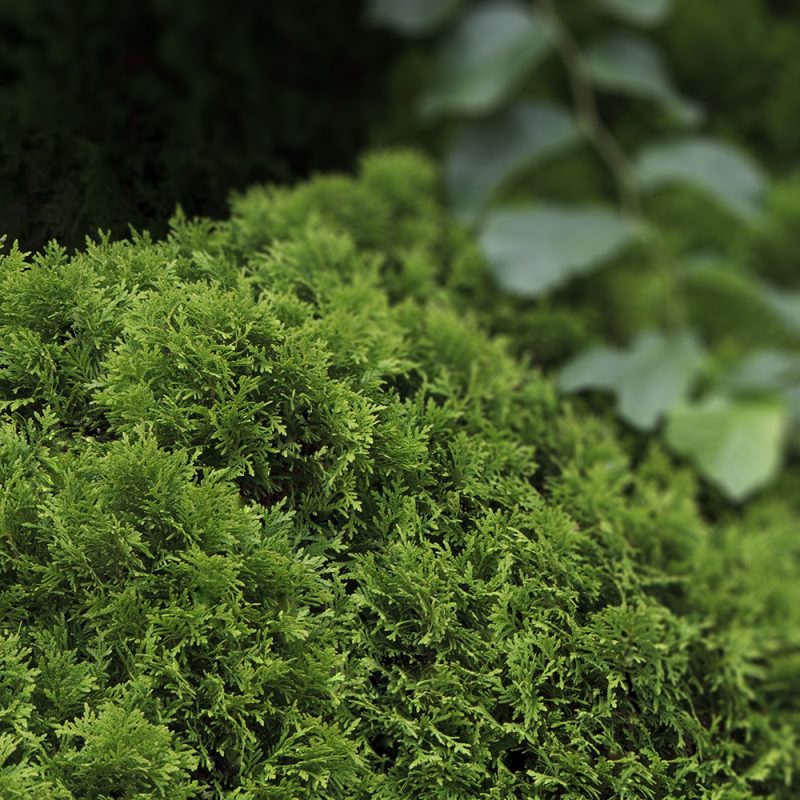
411,17
537,248
785,304
736,444
713,166
638,12
766,371
648,379
632,65
489,152
484,58
776,372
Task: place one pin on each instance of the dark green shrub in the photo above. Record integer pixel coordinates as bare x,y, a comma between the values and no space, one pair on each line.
280,520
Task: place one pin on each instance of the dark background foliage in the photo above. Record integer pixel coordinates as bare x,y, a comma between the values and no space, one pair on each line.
113,112
742,65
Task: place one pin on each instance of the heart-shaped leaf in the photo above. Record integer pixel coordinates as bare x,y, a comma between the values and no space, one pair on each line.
638,12
491,49
411,17
736,444
714,166
488,152
648,379
632,65
537,248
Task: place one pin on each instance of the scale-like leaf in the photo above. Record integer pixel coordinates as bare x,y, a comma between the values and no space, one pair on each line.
411,17
714,166
648,379
536,248
487,54
489,152
632,65
638,12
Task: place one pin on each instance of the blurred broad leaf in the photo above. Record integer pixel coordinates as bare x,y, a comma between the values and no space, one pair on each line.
766,371
714,166
493,47
489,152
638,12
785,304
648,379
769,371
411,17
737,444
536,248
632,65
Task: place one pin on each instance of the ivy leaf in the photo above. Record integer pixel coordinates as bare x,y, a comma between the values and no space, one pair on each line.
765,371
489,152
785,304
632,65
411,17
714,166
769,371
534,249
492,48
648,379
638,12
736,444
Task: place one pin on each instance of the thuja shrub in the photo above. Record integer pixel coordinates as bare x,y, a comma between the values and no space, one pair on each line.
281,520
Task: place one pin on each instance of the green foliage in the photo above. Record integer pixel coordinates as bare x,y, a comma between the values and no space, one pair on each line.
631,65
736,444
771,247
280,519
490,152
695,250
487,54
758,106
720,170
535,249
639,12
415,17
648,379
118,753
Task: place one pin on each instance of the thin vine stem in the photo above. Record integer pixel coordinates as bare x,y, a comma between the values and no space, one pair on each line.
583,96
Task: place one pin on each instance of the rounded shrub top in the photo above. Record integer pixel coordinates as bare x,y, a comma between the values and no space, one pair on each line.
281,520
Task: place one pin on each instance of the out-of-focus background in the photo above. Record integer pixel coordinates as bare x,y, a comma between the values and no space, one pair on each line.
627,167
113,112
